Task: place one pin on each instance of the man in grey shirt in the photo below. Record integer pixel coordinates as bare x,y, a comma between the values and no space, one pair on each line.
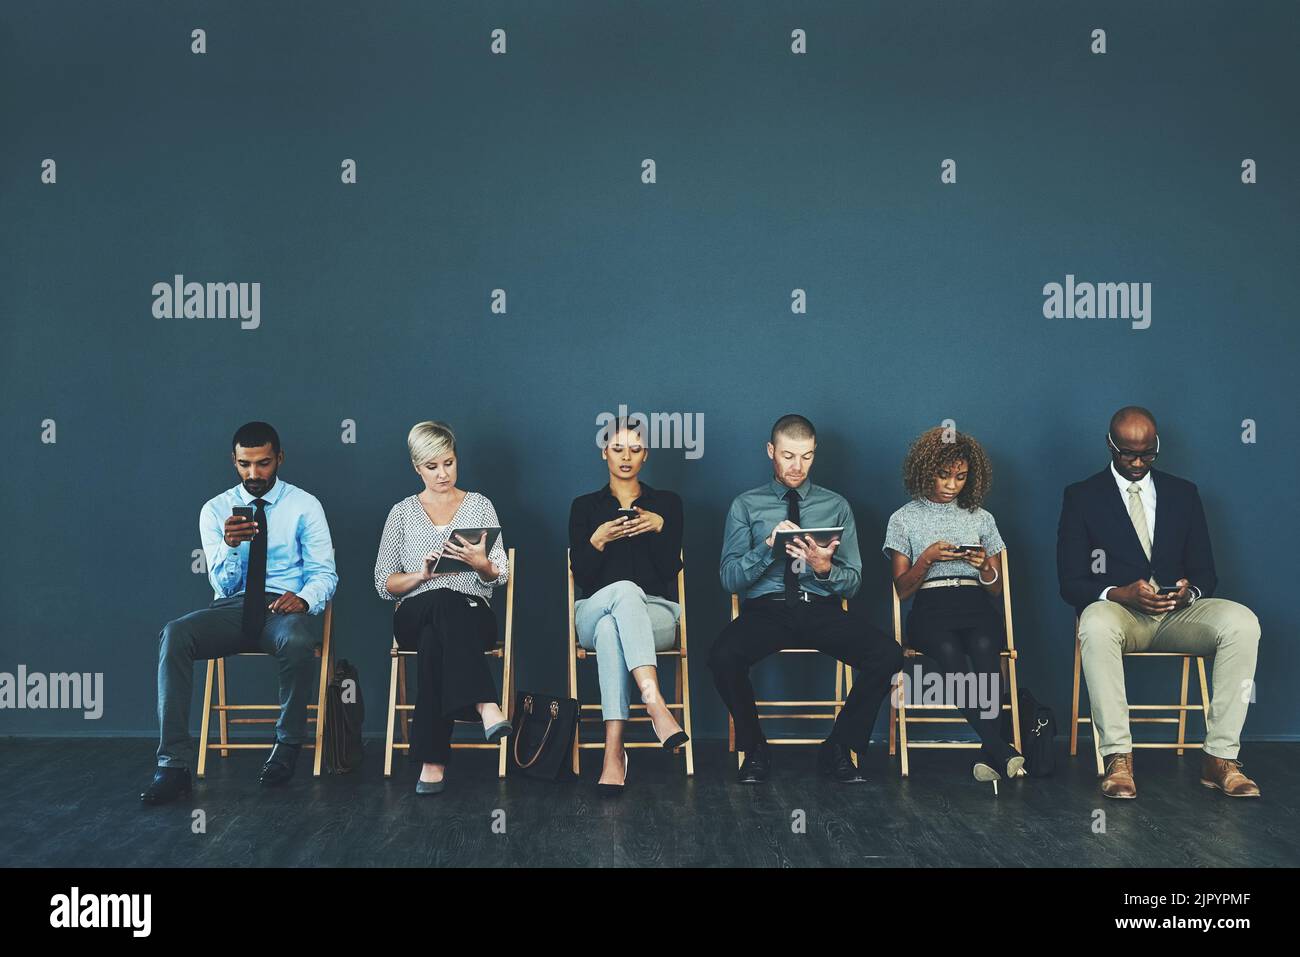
796,603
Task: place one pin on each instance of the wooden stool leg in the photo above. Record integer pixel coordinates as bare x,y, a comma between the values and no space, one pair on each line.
1074,699
902,732
221,701
403,716
392,715
573,693
207,713
1015,705
1096,744
326,654
508,693
1182,702
1205,694
684,692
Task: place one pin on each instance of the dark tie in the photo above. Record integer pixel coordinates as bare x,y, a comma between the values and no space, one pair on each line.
255,585
791,576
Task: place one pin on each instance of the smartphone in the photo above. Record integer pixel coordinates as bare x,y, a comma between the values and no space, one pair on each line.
968,548
1168,590
629,513
244,511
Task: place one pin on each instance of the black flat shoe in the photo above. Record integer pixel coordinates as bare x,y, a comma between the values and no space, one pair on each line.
278,768
614,790
755,768
168,784
834,762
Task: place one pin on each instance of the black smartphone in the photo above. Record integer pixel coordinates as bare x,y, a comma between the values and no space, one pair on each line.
628,513
968,548
244,511
1169,590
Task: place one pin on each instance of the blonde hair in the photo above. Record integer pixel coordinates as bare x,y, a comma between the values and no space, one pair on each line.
428,441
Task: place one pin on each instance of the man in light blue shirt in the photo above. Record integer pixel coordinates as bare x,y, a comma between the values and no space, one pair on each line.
280,551
794,601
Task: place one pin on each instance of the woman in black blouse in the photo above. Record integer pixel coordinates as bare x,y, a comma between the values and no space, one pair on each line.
627,567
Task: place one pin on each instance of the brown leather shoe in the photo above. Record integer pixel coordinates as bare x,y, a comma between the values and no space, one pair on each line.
1118,782
1227,777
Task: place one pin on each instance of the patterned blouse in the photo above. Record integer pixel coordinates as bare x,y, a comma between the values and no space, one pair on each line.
409,535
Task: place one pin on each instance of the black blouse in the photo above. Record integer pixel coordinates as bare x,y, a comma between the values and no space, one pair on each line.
650,560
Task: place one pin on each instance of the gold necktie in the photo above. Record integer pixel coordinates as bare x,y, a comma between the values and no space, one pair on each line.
1137,513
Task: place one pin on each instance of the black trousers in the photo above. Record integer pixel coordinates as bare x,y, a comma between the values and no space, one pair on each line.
765,626
961,633
450,631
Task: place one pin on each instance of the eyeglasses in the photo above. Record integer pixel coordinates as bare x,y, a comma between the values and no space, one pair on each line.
1128,455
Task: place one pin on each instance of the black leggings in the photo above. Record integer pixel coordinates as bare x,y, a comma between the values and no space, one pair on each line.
451,631
957,629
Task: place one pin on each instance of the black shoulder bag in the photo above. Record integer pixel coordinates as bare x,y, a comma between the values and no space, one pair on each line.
1037,734
344,712
544,732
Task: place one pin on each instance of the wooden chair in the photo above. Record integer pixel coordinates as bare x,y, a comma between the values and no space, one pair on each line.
682,704
898,714
217,667
397,703
843,685
1182,707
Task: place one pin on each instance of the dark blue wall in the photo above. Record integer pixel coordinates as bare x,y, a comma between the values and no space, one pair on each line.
522,171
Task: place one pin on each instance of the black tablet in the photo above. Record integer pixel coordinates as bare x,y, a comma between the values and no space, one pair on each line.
448,564
822,536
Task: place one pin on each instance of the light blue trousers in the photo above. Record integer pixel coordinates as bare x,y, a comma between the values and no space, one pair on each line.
624,627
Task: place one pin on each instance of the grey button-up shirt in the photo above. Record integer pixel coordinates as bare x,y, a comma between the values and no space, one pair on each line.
748,568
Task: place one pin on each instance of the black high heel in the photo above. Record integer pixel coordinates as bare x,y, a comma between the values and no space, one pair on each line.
675,741
614,790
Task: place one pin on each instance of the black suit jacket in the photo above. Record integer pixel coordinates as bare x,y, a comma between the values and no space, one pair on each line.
1094,515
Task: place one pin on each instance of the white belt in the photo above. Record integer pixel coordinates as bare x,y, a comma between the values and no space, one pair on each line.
948,582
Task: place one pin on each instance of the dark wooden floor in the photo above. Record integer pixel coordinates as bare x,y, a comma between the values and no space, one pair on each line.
74,802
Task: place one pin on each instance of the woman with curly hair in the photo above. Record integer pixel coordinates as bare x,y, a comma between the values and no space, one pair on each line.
946,550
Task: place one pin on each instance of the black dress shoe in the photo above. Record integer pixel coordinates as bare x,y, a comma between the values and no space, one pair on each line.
167,785
755,768
278,768
834,762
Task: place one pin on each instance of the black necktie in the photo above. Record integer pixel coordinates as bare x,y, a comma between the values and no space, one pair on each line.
791,577
255,585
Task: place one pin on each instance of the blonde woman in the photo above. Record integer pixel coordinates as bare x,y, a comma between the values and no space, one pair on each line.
444,616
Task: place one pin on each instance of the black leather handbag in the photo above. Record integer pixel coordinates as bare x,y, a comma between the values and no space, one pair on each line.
1037,734
343,746
544,732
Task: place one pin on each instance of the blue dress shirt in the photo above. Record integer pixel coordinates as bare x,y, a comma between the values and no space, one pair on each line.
299,553
748,568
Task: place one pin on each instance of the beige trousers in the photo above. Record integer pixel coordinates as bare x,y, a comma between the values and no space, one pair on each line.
1215,627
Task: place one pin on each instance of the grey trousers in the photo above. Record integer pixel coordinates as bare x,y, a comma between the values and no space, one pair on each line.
1225,630
215,632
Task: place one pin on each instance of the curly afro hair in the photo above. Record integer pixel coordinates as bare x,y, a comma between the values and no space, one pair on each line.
930,454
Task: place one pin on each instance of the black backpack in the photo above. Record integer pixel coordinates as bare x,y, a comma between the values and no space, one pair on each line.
1037,734
343,747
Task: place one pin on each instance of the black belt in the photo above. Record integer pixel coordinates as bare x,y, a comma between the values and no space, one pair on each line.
806,597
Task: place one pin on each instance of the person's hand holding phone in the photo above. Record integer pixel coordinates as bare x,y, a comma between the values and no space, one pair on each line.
1140,596
940,552
975,557
646,521
607,532
239,529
